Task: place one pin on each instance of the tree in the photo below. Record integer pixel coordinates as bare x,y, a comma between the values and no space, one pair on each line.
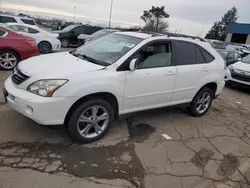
155,19
219,29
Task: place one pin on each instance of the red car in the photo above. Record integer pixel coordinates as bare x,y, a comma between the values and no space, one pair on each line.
15,48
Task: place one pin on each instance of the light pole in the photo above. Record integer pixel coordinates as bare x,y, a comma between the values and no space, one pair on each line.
74,14
110,15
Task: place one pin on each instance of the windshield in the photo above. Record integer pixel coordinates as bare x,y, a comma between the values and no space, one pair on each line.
246,59
99,33
69,28
108,49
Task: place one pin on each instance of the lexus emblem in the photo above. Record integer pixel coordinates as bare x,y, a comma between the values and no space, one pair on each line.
243,73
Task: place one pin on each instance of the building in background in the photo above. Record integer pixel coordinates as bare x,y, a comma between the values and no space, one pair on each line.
239,33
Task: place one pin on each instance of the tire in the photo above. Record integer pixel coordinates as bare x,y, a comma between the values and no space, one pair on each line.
64,42
44,47
85,109
228,84
8,54
196,103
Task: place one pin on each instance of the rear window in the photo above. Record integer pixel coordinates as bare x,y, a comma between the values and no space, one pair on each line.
2,33
7,19
30,22
186,53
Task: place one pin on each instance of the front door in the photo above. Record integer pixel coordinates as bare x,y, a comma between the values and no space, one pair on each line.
152,83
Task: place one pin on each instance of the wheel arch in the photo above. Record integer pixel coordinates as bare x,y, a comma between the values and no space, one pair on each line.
211,85
109,97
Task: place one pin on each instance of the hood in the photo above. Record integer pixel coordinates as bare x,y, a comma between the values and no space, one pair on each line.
58,31
241,66
56,65
84,36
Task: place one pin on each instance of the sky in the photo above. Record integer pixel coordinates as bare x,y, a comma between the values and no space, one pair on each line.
193,17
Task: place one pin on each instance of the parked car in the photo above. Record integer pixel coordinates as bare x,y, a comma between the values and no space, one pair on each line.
83,38
68,35
242,50
217,44
46,41
117,74
8,18
15,48
232,57
239,73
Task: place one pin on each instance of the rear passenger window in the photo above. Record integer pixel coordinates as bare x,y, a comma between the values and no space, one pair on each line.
185,53
32,31
208,57
2,33
200,57
30,22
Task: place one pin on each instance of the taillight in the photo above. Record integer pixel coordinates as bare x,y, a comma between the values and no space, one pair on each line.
31,43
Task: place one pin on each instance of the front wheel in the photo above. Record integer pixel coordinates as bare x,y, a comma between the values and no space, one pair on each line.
201,102
90,121
65,42
8,59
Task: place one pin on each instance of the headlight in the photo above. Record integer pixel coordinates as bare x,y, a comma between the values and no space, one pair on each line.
230,67
45,88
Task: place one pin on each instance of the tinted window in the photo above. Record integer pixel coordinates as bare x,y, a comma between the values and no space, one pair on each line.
6,19
33,31
79,30
30,22
185,53
200,57
2,33
208,57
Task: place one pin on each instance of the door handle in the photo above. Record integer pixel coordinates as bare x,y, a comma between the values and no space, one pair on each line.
169,73
205,69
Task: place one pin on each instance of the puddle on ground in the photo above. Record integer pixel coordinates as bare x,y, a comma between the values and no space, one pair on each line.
112,162
229,165
139,132
202,157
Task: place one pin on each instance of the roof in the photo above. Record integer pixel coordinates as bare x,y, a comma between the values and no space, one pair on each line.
27,25
135,34
239,28
15,16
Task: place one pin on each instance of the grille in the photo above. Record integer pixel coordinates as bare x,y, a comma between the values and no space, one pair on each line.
241,77
18,77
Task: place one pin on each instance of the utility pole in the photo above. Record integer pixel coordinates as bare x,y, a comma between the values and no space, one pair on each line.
74,14
110,15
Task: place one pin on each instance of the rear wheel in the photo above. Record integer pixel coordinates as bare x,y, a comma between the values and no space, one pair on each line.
201,102
65,42
44,47
8,59
90,121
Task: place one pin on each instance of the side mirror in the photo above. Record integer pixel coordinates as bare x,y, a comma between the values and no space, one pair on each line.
132,64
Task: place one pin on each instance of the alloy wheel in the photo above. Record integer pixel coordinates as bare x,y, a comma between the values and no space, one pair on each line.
44,47
203,102
93,122
65,43
8,60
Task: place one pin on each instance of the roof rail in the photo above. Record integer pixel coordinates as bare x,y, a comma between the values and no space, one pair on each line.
185,36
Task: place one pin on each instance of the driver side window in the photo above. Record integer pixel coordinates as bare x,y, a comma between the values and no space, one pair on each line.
154,55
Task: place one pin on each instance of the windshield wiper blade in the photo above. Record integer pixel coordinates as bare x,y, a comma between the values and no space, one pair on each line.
93,60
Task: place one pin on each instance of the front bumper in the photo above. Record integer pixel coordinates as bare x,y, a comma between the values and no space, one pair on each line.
43,110
229,78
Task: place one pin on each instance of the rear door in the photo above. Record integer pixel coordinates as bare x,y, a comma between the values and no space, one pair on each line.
192,69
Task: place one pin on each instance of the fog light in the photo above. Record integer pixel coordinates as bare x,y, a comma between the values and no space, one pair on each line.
29,110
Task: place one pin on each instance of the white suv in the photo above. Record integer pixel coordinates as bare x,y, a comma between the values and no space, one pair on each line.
8,18
117,74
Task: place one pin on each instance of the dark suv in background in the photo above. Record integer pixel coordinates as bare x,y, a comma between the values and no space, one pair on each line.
68,36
